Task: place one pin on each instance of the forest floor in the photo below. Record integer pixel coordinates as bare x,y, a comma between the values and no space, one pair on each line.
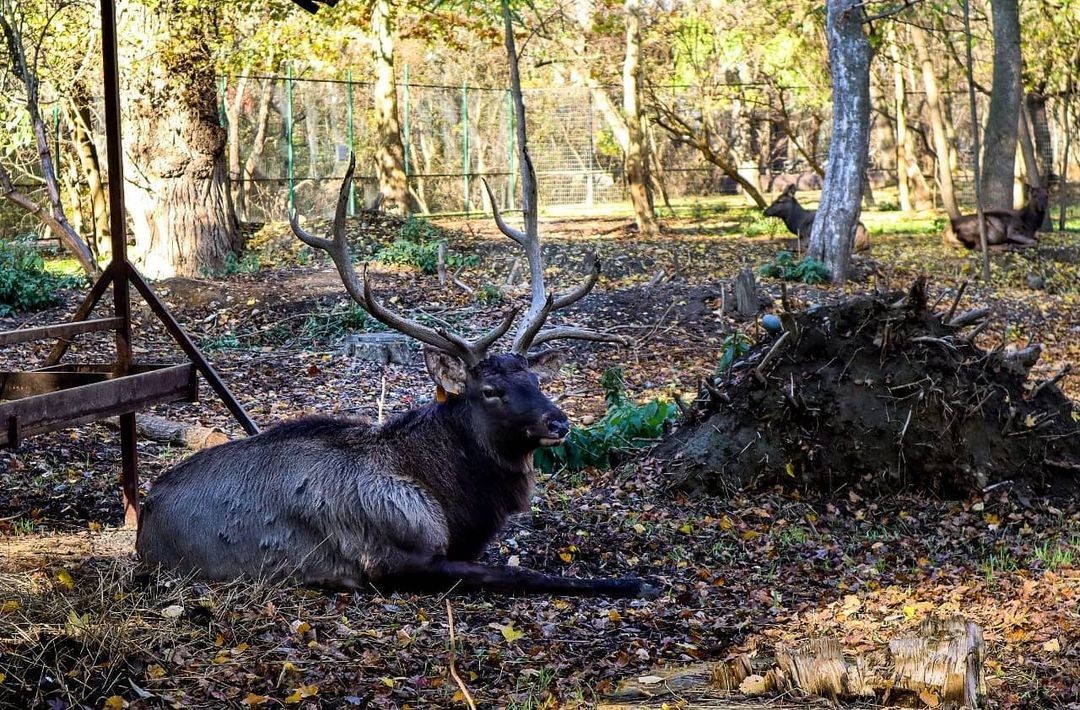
79,625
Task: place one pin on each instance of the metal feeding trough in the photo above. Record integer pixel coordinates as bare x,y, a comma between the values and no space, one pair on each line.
64,396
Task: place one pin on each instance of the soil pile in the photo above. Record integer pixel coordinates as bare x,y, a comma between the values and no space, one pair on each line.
882,391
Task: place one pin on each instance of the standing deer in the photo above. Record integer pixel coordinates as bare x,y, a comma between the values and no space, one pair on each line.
407,505
800,221
1004,228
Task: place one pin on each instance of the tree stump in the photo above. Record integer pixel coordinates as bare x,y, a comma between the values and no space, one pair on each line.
746,302
382,348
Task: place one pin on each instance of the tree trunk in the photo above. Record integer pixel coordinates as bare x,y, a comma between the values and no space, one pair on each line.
881,130
81,120
637,153
262,120
56,220
937,123
902,188
833,234
999,148
1027,150
390,153
177,197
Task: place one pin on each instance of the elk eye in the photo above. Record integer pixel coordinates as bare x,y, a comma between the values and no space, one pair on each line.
492,393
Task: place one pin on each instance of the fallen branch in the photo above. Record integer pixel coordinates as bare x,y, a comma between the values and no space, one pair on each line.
193,436
940,665
759,371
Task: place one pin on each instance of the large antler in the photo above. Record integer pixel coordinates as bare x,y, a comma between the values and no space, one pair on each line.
359,288
531,329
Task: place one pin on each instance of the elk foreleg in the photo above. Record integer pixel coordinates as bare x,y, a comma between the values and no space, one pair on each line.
439,574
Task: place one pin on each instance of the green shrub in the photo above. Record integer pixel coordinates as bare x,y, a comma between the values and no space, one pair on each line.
25,285
418,245
784,266
626,426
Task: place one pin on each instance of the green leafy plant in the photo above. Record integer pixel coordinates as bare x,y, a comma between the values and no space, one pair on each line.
784,266
734,346
625,426
418,245
489,294
25,284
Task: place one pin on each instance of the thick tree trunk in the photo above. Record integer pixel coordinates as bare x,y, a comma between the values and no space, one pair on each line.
81,121
390,152
937,123
833,235
637,152
999,151
177,198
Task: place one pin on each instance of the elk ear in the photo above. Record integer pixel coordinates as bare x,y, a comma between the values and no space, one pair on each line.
448,371
789,190
546,364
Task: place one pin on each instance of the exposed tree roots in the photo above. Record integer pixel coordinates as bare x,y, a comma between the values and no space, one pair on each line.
885,391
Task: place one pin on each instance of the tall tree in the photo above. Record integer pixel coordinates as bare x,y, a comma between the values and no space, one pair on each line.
390,152
833,235
22,64
999,151
182,218
637,152
942,149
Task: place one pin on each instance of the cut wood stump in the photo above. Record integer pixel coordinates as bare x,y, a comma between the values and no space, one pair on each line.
940,665
383,348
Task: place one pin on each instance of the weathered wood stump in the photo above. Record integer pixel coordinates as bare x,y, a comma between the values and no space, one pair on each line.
941,665
383,348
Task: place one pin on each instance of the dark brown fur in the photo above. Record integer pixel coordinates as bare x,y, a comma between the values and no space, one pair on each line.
800,221
410,504
1004,228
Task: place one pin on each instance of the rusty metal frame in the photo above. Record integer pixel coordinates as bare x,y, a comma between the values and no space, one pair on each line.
55,396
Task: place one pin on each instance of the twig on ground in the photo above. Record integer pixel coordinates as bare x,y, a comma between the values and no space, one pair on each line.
451,656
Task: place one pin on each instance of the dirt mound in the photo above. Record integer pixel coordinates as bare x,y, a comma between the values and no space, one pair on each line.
882,391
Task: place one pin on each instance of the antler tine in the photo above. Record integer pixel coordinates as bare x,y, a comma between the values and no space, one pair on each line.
515,234
524,339
341,213
567,332
444,340
488,339
592,265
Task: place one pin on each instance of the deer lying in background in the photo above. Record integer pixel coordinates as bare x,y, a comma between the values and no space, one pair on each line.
1004,228
408,505
800,221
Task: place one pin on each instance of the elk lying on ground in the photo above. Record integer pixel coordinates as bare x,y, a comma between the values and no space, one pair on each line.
800,221
1004,228
408,505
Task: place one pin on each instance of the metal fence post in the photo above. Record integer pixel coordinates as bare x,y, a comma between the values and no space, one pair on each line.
289,136
466,163
352,145
511,152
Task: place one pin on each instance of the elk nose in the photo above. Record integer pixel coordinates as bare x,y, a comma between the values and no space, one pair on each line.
559,427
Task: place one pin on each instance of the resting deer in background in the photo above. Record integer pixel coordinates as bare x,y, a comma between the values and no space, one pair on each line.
1004,228
407,505
800,221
